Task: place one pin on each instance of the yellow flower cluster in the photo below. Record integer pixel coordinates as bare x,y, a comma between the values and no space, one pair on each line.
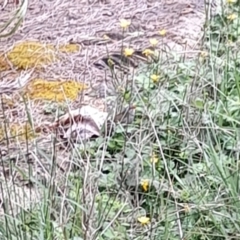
128,52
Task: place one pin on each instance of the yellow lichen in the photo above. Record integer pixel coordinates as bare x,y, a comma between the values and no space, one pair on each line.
4,66
54,90
32,54
7,101
14,131
69,48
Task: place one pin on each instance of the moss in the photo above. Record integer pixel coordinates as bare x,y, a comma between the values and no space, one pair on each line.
54,90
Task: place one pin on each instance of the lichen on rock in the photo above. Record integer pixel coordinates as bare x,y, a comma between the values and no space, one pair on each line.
57,90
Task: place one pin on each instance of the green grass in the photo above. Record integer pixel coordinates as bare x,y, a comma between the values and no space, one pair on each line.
189,120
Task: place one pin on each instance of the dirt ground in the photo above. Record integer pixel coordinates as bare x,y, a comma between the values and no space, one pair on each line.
85,23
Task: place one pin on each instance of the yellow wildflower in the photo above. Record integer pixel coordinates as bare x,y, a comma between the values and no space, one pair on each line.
128,52
148,52
110,62
124,23
231,1
229,42
232,17
162,32
155,78
145,184
153,41
187,209
154,158
144,220
204,54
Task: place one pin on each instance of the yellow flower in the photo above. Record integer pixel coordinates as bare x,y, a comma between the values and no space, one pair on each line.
154,158
145,184
231,1
229,42
153,41
144,220
128,52
110,62
231,17
187,209
124,23
148,52
155,78
204,54
162,32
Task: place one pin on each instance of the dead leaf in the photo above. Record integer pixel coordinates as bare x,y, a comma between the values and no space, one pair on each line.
80,124
82,130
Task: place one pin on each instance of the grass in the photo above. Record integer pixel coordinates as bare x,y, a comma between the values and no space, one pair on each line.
171,174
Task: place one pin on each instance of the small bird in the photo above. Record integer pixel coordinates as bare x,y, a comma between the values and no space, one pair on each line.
124,117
